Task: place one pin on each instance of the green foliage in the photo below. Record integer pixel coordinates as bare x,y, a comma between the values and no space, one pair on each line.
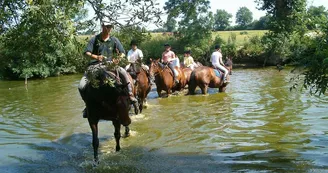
317,16
195,25
170,24
153,48
244,17
253,50
43,44
313,58
221,20
9,16
132,33
287,16
134,12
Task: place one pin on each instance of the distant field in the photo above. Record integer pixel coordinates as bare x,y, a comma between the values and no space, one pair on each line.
241,36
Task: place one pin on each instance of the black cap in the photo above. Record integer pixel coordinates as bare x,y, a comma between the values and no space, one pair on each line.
167,44
187,51
217,46
134,42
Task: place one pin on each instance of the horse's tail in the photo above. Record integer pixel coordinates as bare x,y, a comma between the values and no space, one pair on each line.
192,83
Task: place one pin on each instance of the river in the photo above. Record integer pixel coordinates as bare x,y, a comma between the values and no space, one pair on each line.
258,125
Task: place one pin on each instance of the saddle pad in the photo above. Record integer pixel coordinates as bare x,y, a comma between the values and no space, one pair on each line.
217,73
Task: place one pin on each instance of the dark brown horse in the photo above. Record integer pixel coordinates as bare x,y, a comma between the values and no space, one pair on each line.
142,87
164,78
205,77
106,102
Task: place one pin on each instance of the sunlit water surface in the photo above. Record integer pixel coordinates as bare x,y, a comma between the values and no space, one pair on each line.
258,125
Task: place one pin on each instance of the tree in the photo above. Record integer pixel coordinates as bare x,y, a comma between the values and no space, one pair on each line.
221,20
43,43
40,40
317,15
9,15
244,17
195,24
287,16
288,31
262,23
126,13
170,24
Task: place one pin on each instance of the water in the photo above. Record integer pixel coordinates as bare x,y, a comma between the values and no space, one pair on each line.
258,125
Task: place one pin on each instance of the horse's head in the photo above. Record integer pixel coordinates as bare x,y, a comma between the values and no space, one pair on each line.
154,67
123,105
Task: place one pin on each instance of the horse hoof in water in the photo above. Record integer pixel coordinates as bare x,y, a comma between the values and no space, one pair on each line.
95,163
136,109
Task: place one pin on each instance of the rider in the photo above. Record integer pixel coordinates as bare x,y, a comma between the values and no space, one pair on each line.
216,59
188,61
167,57
101,47
136,55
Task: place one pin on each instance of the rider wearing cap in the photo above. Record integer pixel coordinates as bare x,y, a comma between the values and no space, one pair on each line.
100,48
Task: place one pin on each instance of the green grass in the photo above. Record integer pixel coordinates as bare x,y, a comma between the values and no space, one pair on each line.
241,36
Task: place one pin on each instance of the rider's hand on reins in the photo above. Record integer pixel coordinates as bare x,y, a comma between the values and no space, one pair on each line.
100,58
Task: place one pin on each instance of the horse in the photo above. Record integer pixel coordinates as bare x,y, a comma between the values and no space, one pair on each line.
187,71
142,85
106,102
228,65
164,78
205,77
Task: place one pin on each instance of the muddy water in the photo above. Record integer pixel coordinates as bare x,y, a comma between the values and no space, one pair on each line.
256,126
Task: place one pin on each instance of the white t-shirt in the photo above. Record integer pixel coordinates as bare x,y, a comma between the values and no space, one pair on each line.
133,55
215,57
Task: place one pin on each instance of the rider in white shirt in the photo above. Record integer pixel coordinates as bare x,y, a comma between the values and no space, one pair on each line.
135,55
216,59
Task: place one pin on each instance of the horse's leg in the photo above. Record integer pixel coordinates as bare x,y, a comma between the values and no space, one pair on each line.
127,131
117,134
141,104
203,87
136,110
222,89
168,91
95,140
159,92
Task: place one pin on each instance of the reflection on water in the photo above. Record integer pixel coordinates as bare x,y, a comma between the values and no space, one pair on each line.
256,126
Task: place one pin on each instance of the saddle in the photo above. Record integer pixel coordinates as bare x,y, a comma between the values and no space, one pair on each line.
99,74
166,65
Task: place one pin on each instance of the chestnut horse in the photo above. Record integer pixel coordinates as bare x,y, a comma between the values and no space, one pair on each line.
164,78
107,102
187,71
205,77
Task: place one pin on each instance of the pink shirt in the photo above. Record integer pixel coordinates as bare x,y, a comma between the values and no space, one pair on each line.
167,56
